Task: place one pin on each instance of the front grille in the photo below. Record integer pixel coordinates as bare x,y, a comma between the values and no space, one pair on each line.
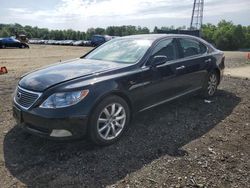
26,98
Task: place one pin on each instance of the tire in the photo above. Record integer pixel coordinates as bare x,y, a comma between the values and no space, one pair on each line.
109,121
3,46
210,85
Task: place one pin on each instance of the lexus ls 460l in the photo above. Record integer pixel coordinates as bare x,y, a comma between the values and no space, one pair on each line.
97,94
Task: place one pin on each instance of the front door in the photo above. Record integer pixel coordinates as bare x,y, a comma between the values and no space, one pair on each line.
163,81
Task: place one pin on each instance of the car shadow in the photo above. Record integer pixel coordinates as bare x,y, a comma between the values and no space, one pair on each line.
163,130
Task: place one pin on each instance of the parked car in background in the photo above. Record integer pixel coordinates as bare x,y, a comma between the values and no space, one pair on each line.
97,40
12,43
51,42
97,94
61,42
78,43
37,41
68,42
87,43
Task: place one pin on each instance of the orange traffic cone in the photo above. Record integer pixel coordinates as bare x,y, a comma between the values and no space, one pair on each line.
3,70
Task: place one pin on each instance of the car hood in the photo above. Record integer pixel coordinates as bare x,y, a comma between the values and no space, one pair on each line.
44,78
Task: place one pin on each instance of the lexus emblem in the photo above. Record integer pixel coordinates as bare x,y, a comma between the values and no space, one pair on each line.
18,95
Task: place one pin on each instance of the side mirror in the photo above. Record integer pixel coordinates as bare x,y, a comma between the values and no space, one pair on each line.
159,60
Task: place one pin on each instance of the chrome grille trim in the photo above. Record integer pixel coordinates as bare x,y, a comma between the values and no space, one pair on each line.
28,98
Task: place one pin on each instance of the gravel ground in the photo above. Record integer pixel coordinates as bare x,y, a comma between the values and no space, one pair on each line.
185,143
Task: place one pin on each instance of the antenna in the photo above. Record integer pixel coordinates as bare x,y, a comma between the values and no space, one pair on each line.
197,15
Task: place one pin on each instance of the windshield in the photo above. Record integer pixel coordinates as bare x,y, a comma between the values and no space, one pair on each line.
121,50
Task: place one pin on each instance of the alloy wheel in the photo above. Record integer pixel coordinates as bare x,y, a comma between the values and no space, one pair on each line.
111,121
212,84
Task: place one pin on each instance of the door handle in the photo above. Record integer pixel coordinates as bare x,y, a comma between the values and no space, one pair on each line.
208,60
181,67
132,82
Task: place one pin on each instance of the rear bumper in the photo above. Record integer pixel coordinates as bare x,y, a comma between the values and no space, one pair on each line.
63,128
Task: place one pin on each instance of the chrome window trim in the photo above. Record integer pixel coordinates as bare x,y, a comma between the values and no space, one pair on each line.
197,40
28,91
178,61
183,58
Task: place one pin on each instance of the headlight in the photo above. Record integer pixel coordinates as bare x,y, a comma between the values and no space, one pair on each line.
60,100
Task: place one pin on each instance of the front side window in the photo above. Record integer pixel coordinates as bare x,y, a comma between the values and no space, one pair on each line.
166,48
121,50
190,47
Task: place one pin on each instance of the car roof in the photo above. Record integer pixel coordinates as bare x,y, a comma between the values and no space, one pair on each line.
156,36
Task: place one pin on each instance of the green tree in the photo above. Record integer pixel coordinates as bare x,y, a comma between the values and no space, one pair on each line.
100,31
90,32
208,31
225,35
155,30
4,33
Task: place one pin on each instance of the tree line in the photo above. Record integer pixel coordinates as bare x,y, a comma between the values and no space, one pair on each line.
7,30
225,35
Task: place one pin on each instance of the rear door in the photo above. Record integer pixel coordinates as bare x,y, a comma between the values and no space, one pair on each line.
193,63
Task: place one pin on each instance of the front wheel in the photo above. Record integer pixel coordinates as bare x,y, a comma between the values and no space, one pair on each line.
109,121
210,85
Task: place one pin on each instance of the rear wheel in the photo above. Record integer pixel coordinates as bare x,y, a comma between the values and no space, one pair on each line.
109,121
211,84
3,46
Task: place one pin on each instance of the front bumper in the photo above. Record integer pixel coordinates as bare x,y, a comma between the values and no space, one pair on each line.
61,128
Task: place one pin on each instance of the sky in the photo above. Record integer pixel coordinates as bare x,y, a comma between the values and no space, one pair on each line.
83,14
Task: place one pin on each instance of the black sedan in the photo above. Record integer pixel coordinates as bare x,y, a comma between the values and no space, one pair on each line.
97,94
12,43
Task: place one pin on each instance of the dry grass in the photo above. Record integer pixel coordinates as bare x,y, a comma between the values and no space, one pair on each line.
25,60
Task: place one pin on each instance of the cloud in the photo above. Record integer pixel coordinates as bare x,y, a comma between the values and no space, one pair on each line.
90,12
70,10
214,7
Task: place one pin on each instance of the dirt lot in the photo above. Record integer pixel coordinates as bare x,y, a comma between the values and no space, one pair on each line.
237,64
186,143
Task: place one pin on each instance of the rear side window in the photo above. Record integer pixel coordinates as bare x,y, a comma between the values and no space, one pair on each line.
167,48
190,47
